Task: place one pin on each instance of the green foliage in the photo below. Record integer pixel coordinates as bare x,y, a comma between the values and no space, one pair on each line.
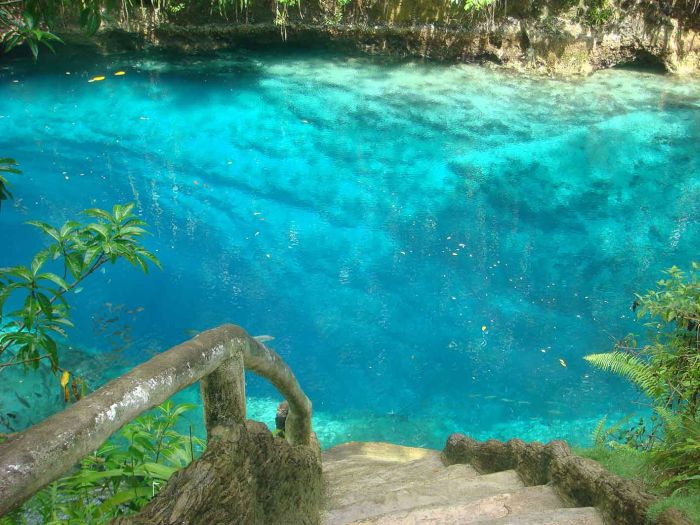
120,477
477,5
688,503
28,334
667,370
631,463
31,21
678,460
619,459
630,367
25,30
598,12
7,165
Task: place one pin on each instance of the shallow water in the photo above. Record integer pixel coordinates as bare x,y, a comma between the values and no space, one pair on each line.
425,242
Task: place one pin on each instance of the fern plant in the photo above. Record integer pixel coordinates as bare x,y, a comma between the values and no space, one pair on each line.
667,370
629,366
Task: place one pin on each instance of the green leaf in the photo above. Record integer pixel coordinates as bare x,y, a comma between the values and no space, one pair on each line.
21,272
98,213
126,496
90,254
38,261
58,281
46,228
101,229
44,304
157,470
74,261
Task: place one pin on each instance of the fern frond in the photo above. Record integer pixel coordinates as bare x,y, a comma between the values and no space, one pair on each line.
599,434
628,366
673,424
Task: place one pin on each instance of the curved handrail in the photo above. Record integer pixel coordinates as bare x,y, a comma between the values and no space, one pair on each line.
41,454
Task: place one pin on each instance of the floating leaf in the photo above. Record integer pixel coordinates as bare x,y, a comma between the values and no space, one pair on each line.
65,377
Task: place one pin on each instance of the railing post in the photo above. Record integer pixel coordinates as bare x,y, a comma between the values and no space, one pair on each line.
223,391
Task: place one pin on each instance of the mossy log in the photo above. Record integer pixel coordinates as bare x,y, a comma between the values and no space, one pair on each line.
245,476
581,480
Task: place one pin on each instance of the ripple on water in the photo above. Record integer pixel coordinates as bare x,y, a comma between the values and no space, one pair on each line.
373,216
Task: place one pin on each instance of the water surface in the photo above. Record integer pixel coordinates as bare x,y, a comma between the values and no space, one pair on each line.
429,244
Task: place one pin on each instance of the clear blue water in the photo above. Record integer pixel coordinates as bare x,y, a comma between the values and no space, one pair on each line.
370,215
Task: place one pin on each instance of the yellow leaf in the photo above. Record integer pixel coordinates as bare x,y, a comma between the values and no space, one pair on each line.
64,379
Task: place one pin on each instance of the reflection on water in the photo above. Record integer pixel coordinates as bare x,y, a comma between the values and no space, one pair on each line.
433,248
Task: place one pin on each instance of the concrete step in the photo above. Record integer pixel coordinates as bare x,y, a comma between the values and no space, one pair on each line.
360,500
385,484
519,502
572,516
357,483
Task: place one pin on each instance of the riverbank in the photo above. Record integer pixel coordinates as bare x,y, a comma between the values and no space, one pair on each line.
555,38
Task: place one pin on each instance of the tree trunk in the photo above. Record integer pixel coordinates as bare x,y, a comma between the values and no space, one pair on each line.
245,476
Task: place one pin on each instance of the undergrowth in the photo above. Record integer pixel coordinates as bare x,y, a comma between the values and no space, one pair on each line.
120,477
633,464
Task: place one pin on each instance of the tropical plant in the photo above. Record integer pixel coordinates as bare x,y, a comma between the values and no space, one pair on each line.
121,476
667,370
598,12
30,333
7,165
477,5
25,29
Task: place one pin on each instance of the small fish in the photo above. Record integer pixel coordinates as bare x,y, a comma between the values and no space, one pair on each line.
483,328
562,363
263,338
22,400
119,73
97,79
78,290
191,332
12,415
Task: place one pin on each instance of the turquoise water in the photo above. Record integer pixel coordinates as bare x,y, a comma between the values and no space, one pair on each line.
428,244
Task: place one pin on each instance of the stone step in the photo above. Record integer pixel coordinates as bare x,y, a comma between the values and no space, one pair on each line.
356,499
378,452
501,506
385,484
572,516
355,481
353,469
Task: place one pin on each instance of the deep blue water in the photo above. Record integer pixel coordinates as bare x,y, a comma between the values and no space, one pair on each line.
425,242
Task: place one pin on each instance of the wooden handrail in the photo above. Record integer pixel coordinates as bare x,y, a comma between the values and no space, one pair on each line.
41,454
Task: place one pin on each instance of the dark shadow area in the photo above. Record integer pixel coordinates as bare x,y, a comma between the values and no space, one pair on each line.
644,62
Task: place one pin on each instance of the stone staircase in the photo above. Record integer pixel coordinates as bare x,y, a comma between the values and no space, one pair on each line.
383,484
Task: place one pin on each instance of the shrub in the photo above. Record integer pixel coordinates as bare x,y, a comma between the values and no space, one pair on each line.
667,370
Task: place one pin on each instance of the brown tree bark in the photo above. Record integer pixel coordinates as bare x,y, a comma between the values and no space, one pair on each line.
245,476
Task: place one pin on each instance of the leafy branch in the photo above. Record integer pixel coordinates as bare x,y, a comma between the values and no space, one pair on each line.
25,30
121,476
7,165
76,251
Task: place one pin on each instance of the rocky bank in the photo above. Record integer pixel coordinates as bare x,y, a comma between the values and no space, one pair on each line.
555,37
